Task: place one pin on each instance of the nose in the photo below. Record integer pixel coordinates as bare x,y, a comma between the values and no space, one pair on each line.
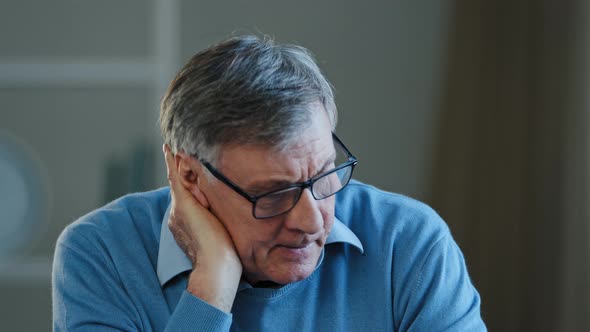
306,215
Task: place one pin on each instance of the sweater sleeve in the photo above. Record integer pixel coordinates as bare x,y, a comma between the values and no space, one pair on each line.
88,295
443,297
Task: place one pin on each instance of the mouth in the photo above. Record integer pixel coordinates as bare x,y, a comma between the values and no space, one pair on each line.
295,252
300,246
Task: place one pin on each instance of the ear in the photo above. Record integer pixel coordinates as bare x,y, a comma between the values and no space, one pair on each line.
191,174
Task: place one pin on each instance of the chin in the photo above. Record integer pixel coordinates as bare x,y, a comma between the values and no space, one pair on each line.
285,266
292,274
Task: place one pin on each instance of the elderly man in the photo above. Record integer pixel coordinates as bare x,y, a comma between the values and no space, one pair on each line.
262,228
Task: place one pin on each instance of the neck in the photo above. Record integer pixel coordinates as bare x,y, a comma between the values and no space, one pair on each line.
267,284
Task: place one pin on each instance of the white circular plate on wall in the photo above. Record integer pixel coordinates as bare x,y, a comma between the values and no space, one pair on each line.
24,196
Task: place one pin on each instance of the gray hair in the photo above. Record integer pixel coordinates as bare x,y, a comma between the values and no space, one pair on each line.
245,90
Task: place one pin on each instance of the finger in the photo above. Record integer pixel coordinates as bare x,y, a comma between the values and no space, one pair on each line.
176,188
170,165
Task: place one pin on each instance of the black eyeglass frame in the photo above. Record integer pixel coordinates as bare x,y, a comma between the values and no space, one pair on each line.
352,161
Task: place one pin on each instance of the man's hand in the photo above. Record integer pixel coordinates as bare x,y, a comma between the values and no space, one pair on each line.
216,265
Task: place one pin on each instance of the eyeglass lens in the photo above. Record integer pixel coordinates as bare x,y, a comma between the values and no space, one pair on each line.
284,200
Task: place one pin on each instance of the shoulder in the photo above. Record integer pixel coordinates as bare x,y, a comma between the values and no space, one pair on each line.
120,221
370,211
407,241
392,228
104,263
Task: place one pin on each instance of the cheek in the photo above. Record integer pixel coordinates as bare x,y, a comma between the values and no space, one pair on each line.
252,237
328,213
235,214
230,208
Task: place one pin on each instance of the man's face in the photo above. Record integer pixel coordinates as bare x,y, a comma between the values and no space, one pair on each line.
285,248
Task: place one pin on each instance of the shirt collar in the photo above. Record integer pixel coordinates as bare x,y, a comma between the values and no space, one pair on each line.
172,260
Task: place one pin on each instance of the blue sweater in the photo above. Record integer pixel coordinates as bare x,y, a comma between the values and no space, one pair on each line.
390,264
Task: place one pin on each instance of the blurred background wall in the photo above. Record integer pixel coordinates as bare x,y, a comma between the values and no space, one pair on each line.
477,107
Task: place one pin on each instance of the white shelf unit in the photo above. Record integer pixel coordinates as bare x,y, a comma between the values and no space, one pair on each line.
30,270
153,71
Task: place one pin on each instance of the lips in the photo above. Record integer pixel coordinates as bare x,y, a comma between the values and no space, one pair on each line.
295,252
298,246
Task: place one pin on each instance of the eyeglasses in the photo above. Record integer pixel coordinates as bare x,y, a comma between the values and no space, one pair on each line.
276,202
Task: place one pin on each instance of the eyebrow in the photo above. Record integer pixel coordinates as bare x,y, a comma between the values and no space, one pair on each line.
268,186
